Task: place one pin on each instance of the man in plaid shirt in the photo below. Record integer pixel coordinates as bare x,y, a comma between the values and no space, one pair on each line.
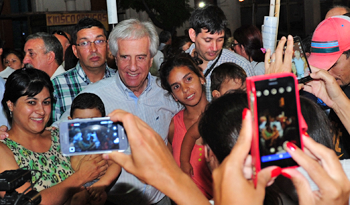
90,47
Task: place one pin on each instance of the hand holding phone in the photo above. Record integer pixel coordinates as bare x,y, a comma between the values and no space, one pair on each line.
91,136
274,103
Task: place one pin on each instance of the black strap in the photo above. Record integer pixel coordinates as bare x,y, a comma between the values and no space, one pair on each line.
212,66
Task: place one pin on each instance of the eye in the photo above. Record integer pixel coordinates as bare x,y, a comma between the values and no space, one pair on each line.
207,40
84,43
99,42
47,102
31,102
141,57
31,54
189,78
175,87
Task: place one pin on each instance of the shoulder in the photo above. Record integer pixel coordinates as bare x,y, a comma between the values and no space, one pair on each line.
7,160
61,78
100,85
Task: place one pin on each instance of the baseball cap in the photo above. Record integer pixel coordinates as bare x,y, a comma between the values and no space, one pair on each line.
329,41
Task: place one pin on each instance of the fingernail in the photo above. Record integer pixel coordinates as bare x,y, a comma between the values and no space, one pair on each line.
105,156
244,114
306,134
275,172
286,175
291,146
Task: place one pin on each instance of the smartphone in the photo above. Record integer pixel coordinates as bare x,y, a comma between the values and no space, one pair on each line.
274,103
300,65
92,136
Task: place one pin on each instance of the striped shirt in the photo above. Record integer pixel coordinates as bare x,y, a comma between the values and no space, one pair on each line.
67,85
154,106
226,56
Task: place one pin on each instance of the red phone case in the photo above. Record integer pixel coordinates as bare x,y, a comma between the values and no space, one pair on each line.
252,103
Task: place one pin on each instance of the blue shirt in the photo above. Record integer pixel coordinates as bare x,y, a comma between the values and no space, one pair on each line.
154,106
226,56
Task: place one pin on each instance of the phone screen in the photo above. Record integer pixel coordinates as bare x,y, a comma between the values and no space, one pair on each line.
278,120
300,65
94,136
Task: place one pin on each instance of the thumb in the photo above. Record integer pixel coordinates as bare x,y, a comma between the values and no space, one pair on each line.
267,176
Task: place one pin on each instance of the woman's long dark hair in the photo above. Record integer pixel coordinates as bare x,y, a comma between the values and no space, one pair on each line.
25,82
251,39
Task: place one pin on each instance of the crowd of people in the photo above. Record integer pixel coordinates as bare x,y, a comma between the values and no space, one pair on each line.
183,103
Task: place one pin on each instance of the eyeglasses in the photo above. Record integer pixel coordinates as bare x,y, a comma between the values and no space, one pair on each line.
86,44
233,45
59,32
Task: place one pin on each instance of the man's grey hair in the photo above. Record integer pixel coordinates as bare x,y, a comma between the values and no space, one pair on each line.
51,43
133,29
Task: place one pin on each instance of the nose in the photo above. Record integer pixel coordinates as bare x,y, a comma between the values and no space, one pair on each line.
133,65
185,88
26,59
40,109
93,47
215,46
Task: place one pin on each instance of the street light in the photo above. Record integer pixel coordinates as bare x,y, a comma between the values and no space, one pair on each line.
201,4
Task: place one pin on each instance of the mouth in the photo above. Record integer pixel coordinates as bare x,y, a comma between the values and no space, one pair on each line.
37,119
133,75
95,58
190,96
212,53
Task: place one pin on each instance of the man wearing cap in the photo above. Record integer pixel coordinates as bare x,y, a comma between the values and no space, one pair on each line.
330,50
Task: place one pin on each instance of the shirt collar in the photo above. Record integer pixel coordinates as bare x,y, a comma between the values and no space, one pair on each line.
84,77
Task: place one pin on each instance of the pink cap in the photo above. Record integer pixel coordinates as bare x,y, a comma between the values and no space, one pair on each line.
329,41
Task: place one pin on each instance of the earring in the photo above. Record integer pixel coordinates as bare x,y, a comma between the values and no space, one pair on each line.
10,113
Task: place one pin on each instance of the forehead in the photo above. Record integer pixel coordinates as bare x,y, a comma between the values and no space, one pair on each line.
133,46
92,32
34,44
60,37
11,55
205,33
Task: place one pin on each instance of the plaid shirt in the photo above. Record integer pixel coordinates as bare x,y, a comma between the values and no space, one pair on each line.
68,85
226,56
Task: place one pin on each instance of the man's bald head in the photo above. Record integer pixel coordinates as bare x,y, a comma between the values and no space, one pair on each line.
337,11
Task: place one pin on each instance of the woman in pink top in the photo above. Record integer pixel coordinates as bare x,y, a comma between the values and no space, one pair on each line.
185,82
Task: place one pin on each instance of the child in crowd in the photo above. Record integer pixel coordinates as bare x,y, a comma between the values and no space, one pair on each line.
89,105
182,78
225,78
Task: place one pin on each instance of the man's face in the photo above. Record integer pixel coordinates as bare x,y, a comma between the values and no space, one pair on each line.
94,56
35,54
134,60
208,46
341,71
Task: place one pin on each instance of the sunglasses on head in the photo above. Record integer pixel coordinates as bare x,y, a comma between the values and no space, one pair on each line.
59,32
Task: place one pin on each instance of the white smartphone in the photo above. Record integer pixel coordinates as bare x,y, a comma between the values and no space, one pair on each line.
92,136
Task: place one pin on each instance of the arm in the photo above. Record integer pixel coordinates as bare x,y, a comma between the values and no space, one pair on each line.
324,169
171,136
149,155
325,87
75,161
64,189
97,190
186,148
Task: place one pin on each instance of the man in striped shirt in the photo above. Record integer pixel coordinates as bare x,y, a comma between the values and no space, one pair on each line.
90,47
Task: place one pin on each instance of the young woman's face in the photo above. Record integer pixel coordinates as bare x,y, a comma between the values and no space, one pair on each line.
31,113
186,86
13,61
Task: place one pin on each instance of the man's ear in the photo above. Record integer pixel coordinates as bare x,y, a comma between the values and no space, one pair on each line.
215,94
69,118
192,34
74,48
51,57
